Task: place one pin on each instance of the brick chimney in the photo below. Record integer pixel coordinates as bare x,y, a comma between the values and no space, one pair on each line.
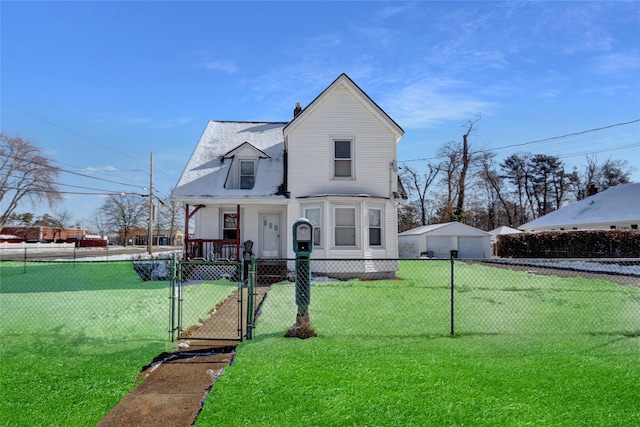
591,190
297,110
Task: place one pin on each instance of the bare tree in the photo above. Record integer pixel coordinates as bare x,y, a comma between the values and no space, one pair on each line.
174,217
494,187
58,222
123,213
450,178
418,183
464,169
408,215
25,174
97,223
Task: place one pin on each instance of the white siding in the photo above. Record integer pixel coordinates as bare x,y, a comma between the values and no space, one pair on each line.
207,224
341,115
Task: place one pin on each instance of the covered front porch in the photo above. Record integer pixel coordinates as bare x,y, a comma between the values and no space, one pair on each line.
235,232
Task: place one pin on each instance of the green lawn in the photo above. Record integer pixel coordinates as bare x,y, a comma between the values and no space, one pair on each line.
74,336
530,350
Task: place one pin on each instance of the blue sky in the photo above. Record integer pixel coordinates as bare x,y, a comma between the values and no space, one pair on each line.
100,85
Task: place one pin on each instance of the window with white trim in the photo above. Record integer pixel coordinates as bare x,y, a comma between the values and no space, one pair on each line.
247,174
375,227
230,226
342,158
313,215
345,226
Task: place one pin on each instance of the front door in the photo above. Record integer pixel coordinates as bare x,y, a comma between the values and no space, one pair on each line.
270,241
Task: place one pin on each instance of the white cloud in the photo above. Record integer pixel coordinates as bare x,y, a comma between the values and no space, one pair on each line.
618,63
226,66
426,104
107,168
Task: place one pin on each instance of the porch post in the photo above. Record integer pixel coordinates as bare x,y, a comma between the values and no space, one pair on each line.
238,255
186,231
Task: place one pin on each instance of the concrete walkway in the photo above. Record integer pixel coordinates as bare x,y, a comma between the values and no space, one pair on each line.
177,383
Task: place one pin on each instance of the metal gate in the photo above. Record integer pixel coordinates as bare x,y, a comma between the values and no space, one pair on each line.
211,300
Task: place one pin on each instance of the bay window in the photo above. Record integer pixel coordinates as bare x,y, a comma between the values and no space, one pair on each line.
375,227
345,227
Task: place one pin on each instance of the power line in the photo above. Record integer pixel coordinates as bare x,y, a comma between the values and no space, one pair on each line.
69,131
79,135
553,138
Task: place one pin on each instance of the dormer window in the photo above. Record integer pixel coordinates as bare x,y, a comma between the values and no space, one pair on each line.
243,166
247,174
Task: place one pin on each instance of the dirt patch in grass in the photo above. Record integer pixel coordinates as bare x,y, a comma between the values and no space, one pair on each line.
176,384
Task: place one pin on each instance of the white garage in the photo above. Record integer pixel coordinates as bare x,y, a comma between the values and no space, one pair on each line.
438,240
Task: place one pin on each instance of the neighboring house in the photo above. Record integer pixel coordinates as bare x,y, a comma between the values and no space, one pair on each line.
438,240
335,164
37,233
616,208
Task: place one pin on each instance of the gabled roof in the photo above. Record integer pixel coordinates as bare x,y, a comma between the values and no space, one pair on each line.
619,204
344,80
445,229
246,146
207,169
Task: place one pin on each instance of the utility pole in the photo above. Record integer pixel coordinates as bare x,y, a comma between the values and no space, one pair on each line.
150,224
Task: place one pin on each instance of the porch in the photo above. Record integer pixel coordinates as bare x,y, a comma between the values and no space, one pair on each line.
217,249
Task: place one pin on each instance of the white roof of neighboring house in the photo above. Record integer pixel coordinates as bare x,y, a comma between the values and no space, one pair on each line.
619,204
446,229
503,230
206,172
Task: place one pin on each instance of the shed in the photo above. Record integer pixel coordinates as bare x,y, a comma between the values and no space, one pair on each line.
500,231
438,240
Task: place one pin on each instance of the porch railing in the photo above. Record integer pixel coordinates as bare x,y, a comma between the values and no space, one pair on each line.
213,249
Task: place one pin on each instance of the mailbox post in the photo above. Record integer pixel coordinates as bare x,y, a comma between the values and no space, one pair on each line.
302,246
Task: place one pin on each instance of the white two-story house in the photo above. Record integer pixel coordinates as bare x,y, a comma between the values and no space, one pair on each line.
334,163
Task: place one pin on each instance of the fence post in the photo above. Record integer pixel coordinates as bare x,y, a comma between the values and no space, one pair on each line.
241,319
172,290
251,286
452,293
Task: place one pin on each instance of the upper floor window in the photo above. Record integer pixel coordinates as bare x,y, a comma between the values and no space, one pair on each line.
343,158
247,174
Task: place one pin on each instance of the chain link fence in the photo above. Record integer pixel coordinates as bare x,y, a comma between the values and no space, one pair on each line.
436,297
90,300
168,299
